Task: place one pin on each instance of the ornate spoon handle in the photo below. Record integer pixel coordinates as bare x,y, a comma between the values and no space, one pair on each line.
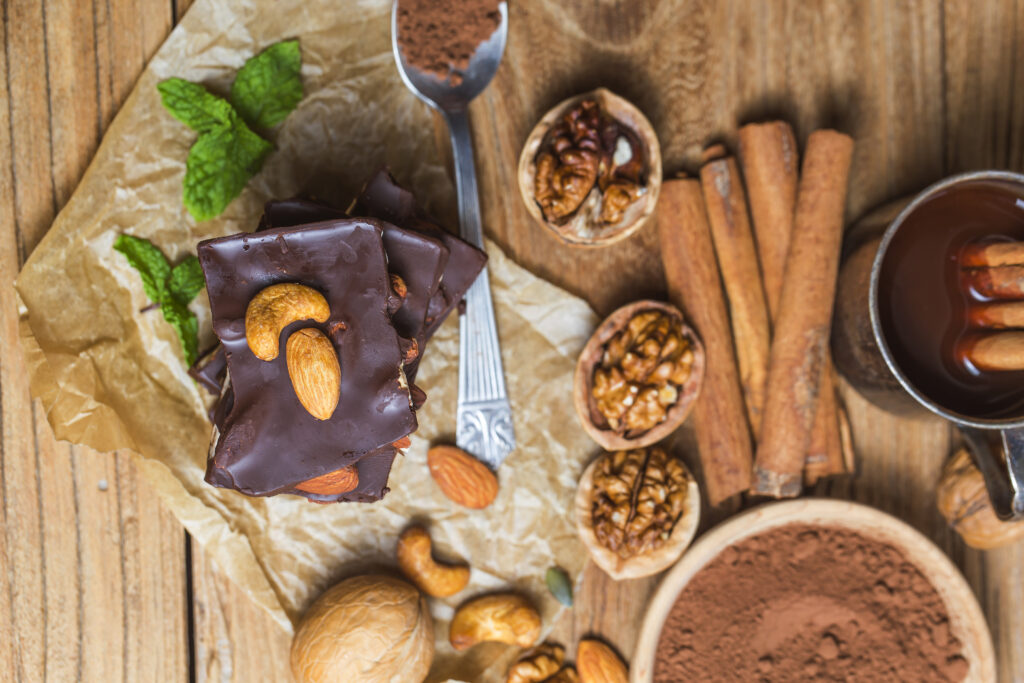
484,418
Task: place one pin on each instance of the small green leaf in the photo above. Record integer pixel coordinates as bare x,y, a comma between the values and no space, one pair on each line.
193,105
268,86
172,289
151,264
186,280
559,585
187,325
219,165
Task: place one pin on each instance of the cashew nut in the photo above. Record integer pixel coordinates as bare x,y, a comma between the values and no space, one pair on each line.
315,372
503,617
274,308
436,580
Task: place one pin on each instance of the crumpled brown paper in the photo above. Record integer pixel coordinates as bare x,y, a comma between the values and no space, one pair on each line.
113,377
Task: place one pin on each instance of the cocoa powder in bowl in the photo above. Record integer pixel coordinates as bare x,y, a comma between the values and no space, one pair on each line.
440,36
807,602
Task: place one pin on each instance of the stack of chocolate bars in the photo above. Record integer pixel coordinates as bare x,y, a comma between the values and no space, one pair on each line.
385,277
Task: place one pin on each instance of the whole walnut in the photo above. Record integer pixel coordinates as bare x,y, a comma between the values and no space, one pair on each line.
373,629
963,500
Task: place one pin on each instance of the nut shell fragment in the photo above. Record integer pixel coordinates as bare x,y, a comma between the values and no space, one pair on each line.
461,477
501,617
375,629
415,561
315,372
274,308
963,500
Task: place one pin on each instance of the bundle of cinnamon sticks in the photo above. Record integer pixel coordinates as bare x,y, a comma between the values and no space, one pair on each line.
993,273
768,419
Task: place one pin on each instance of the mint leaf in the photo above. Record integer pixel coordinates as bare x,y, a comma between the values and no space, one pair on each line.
194,105
186,280
219,165
149,261
268,86
172,288
187,326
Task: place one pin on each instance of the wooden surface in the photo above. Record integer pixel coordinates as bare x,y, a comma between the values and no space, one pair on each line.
97,582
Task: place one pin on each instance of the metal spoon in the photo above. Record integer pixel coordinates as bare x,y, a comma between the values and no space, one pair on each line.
484,418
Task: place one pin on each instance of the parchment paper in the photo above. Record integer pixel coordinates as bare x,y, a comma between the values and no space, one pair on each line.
112,377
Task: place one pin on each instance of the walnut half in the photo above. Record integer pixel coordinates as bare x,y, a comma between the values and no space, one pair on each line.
641,372
638,497
590,170
638,376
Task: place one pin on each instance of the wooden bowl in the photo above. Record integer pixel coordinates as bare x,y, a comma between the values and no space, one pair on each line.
647,563
967,623
583,380
639,212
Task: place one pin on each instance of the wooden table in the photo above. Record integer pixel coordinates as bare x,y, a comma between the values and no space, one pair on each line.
98,582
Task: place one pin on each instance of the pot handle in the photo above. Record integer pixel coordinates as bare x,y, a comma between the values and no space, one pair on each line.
1004,478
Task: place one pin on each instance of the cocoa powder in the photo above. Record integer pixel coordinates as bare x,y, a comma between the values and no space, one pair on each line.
440,36
809,602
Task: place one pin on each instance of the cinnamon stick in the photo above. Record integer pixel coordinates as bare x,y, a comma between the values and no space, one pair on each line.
999,282
805,315
768,156
769,159
825,453
720,422
733,240
993,254
997,316
999,351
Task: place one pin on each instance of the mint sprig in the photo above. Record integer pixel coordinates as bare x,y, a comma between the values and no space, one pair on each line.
268,86
219,165
172,289
227,152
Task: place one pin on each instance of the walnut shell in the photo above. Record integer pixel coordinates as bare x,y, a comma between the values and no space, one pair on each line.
963,500
583,394
644,564
578,231
375,629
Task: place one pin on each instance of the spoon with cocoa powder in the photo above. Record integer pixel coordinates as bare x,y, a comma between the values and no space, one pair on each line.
447,52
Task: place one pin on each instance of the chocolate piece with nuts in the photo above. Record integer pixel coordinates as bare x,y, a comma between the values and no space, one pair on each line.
416,262
385,199
268,440
641,373
638,498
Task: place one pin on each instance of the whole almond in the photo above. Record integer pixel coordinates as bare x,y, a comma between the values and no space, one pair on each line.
597,663
314,371
461,477
331,484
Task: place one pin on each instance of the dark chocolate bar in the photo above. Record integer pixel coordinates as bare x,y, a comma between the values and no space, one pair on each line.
417,258
210,369
383,198
267,440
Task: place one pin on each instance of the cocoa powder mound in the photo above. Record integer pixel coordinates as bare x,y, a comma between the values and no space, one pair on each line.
805,602
440,36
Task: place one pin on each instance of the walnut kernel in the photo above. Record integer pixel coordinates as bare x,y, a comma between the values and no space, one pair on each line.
638,498
641,372
588,148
